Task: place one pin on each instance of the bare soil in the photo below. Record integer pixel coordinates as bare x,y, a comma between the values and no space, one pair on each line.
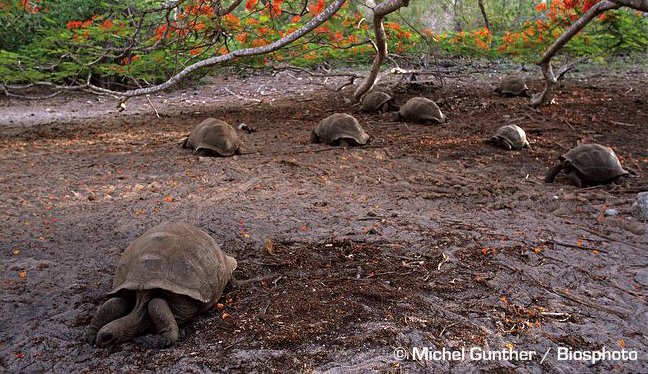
426,238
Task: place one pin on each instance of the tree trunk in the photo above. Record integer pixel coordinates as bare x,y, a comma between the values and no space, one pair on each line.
483,12
457,8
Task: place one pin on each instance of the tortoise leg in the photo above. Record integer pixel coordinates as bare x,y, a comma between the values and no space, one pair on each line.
345,143
184,143
575,178
113,309
125,328
551,175
165,325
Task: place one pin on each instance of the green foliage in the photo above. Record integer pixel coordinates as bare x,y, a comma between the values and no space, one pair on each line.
126,44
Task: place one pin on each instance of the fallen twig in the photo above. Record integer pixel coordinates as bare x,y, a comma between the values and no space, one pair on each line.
573,245
620,313
609,238
239,96
623,124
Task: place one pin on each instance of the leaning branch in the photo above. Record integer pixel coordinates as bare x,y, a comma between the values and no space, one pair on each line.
545,62
307,28
381,10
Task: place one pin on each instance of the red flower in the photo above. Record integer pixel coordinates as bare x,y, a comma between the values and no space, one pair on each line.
74,25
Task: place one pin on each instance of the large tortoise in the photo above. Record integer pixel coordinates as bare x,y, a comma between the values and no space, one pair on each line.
339,129
167,276
509,137
588,164
213,137
378,101
512,85
420,109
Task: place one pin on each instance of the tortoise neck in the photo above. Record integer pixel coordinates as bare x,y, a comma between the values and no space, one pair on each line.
131,325
137,321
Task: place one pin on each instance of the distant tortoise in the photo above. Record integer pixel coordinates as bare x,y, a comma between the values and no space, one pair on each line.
339,129
509,137
213,137
166,277
588,164
512,85
420,109
378,101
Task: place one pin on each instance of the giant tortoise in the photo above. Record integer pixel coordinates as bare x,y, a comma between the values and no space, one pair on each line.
588,164
339,129
378,101
509,137
420,109
167,276
512,85
213,137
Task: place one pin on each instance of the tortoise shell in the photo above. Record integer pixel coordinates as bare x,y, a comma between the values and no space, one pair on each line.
596,163
512,85
339,127
178,258
376,101
421,109
509,137
214,137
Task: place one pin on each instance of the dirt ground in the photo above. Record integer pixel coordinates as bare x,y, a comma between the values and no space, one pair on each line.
425,238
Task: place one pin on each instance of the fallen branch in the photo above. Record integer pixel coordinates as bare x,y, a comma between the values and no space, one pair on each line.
573,245
239,96
622,313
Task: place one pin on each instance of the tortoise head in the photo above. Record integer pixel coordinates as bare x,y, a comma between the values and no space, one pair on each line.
314,138
500,142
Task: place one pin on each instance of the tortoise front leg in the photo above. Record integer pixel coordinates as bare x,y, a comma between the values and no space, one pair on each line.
113,309
575,178
165,325
551,175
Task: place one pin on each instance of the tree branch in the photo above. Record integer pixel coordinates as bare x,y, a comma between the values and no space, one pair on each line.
383,9
545,62
325,15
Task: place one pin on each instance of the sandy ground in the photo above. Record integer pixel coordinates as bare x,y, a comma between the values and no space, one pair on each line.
425,238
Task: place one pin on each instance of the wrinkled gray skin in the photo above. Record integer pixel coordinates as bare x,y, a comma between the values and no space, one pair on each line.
213,137
588,164
378,101
512,85
339,129
509,137
166,277
420,109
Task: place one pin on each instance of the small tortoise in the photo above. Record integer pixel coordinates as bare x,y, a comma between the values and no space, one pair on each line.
420,109
213,137
339,129
509,137
170,274
512,85
588,164
378,101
